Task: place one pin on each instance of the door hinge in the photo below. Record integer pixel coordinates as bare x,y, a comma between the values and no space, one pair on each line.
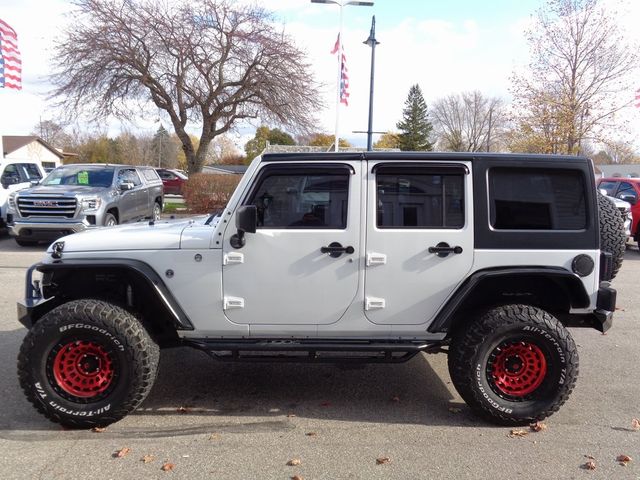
374,258
233,257
233,302
373,303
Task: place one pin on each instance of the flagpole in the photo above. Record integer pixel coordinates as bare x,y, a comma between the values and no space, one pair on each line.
338,84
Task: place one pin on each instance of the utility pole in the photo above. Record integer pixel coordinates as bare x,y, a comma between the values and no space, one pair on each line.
372,42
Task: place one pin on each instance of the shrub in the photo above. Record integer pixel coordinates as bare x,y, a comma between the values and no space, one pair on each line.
206,193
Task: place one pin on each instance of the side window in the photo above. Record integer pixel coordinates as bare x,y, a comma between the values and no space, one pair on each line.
419,198
537,199
166,175
626,189
314,200
609,187
30,171
150,174
129,175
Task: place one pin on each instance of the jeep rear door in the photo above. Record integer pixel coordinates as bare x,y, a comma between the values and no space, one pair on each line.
281,276
419,243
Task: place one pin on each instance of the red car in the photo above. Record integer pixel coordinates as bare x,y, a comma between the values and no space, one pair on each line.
172,180
627,189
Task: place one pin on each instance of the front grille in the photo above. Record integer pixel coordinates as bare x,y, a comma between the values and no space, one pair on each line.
47,206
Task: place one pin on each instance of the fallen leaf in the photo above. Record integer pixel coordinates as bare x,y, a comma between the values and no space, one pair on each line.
147,458
297,477
184,410
98,429
395,398
382,460
167,467
122,452
624,459
538,427
311,434
214,436
635,424
294,462
590,465
518,433
455,409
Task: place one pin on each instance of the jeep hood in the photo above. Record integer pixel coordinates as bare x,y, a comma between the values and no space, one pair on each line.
162,235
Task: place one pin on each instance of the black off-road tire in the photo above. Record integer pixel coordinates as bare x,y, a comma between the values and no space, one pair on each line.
612,236
502,339
119,347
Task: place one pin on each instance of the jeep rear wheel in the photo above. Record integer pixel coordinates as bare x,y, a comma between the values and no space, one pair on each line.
612,235
87,363
514,365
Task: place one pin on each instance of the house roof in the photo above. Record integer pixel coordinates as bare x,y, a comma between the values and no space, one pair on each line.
11,143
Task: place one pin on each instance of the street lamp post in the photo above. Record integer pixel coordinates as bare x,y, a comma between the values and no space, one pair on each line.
341,4
372,42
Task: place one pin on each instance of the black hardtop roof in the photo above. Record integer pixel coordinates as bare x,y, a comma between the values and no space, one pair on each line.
411,156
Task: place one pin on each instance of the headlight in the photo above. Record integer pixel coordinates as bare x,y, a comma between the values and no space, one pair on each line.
12,202
91,203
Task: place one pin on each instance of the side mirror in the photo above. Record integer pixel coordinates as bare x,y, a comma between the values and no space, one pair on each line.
629,199
35,182
246,222
125,186
8,181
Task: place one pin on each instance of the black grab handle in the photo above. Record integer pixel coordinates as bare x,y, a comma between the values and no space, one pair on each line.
335,249
443,249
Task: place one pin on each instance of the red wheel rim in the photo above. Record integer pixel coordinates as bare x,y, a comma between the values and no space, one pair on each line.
518,368
83,368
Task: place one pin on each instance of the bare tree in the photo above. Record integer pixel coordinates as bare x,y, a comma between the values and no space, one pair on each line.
468,122
578,68
214,62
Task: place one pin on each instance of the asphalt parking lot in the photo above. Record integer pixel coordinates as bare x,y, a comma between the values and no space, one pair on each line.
225,421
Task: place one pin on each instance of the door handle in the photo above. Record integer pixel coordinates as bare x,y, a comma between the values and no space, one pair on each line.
335,249
443,249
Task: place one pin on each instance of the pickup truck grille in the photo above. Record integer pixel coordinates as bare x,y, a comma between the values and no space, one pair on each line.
49,206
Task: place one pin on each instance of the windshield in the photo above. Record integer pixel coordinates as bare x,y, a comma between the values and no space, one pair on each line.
81,175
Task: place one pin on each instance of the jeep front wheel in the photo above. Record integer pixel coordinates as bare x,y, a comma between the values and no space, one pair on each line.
515,365
87,363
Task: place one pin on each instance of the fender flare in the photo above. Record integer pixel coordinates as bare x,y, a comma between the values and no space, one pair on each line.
578,297
141,270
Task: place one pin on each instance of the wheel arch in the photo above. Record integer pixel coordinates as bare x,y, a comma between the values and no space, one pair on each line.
131,284
553,289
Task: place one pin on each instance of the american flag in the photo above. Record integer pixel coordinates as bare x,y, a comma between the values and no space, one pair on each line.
10,62
344,74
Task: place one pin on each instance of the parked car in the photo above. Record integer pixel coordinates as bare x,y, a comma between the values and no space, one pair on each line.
76,197
627,190
16,176
173,181
338,257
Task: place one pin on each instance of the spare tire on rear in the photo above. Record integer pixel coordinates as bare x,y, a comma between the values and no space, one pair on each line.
612,235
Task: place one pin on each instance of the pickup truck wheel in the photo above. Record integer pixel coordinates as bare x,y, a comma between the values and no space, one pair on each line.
110,220
157,211
514,365
612,235
87,363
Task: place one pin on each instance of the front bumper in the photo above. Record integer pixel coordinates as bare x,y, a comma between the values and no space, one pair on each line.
31,308
46,230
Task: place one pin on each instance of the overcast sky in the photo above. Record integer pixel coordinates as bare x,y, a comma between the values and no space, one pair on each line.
444,46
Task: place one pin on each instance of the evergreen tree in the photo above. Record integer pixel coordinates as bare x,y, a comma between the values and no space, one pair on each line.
415,127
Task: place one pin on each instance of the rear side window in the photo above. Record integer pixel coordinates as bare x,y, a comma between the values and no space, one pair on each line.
150,174
31,171
419,198
537,199
313,201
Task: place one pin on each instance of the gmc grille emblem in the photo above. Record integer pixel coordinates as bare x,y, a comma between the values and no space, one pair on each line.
45,203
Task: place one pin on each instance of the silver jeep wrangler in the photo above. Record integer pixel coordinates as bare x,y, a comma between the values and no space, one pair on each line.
345,257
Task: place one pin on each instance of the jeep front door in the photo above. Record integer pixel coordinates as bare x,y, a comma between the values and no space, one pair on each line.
419,238
301,266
